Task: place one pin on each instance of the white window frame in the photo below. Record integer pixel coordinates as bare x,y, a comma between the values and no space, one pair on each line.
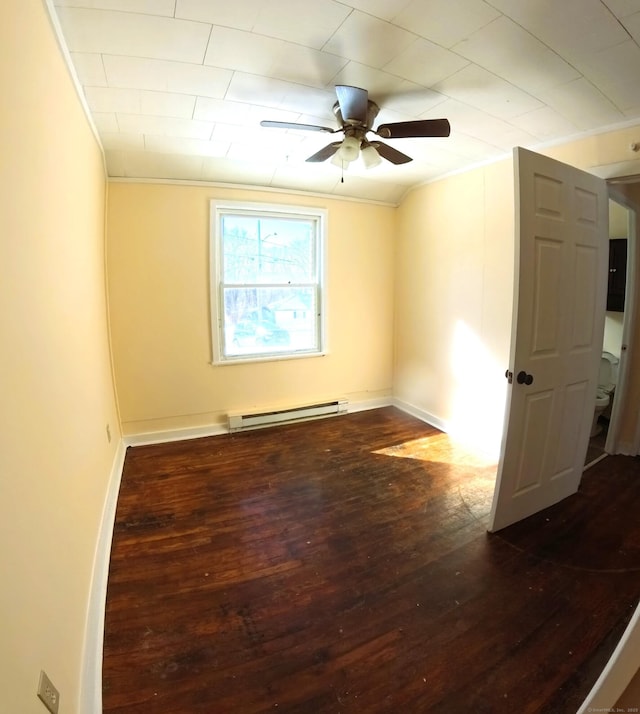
217,210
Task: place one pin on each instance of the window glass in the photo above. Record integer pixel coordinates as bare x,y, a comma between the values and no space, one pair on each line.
267,300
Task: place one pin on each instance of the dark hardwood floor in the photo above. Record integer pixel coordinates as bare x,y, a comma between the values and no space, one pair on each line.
343,565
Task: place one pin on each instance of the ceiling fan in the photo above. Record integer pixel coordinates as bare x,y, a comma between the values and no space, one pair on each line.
356,113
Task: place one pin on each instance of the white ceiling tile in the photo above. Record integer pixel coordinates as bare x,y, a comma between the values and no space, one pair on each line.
632,24
220,110
311,25
106,99
253,89
379,84
445,22
241,50
475,123
166,76
125,33
241,15
276,93
570,27
507,50
306,177
115,162
622,8
105,121
424,152
470,148
318,102
484,90
118,141
165,104
89,69
582,104
425,63
243,134
545,124
262,153
306,66
614,71
165,126
148,7
368,40
222,170
412,102
189,147
633,113
164,166
248,52
384,9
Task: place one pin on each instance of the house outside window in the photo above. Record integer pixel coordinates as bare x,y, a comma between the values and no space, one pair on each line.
266,281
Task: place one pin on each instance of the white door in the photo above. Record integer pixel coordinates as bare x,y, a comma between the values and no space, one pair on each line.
559,303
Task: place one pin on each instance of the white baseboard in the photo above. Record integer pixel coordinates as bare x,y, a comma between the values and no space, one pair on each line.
421,414
164,437
91,678
365,404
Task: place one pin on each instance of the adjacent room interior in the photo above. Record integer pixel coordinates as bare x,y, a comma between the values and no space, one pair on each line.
107,310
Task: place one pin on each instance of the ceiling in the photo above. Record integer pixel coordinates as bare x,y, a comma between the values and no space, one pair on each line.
177,88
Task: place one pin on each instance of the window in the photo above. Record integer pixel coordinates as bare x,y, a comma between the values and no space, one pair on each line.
266,281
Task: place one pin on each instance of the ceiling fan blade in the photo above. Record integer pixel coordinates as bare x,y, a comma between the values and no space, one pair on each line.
412,129
390,154
293,125
328,151
354,103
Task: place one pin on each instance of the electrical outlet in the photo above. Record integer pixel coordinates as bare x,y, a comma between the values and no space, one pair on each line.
48,694
108,434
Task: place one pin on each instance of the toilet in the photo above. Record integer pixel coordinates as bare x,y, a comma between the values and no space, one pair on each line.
606,386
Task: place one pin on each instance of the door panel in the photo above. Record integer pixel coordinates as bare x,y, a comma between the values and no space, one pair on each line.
559,303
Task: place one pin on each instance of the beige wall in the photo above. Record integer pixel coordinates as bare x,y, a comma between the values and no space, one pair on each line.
158,238
57,392
453,288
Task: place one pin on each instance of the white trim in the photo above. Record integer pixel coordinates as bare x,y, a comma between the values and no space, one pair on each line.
422,415
169,435
317,282
91,675
618,672
251,187
366,404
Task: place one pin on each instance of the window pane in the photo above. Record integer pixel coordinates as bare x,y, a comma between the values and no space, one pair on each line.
267,250
269,320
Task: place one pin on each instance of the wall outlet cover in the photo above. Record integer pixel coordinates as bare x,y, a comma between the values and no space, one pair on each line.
48,694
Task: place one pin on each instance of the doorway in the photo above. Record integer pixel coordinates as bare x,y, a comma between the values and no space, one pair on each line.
612,347
621,418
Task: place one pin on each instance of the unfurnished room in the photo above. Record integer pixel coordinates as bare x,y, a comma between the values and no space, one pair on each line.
319,327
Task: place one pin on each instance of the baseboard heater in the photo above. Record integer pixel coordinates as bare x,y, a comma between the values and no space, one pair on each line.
256,420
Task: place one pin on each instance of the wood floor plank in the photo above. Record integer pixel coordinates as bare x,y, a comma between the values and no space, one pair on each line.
343,565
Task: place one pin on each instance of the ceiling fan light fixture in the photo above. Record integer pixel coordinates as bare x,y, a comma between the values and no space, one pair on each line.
349,150
370,157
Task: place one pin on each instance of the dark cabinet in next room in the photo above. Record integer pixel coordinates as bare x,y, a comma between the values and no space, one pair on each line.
617,274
